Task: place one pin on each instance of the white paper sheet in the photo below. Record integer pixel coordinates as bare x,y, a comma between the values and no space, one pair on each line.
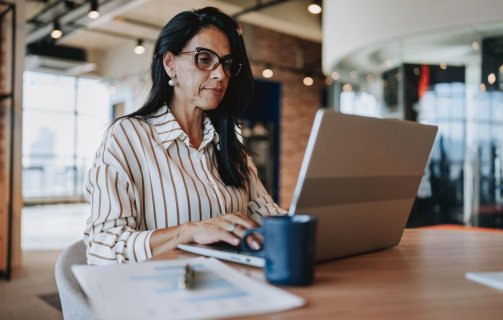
150,291
492,279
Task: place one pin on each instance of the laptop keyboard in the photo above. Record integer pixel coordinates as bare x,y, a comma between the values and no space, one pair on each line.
224,246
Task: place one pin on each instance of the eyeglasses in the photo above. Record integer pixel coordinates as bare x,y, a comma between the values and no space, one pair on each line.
208,60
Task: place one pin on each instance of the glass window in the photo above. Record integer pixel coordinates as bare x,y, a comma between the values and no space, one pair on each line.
64,119
49,92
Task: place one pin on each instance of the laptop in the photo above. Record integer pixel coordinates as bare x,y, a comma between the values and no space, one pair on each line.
359,177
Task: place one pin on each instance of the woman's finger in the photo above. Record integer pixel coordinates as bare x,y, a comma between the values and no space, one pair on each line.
242,220
211,231
238,230
228,237
254,242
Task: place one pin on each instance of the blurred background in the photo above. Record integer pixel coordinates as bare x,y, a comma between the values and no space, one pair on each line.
68,68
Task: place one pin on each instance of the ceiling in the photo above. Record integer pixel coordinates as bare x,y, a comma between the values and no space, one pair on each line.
387,33
124,21
457,46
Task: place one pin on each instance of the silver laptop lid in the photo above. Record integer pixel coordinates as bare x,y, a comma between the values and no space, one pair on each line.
360,176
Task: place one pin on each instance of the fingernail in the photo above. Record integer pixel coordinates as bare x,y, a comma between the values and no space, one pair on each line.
235,242
255,245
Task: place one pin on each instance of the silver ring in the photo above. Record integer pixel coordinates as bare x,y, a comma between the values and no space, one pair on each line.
231,227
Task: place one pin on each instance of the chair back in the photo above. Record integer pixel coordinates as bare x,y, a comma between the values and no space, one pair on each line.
73,300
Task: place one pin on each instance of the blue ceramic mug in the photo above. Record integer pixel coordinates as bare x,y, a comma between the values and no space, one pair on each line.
288,248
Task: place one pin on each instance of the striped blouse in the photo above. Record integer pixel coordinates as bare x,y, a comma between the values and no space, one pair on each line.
147,176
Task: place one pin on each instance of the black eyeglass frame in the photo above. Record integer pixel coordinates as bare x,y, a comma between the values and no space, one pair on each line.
221,61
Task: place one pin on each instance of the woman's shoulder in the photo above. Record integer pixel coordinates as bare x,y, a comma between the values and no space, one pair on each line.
121,123
124,130
144,121
127,126
121,136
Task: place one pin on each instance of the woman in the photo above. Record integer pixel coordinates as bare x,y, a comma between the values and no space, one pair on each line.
174,171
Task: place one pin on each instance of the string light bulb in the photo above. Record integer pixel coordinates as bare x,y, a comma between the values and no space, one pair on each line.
139,49
56,32
267,72
308,81
93,13
314,7
491,78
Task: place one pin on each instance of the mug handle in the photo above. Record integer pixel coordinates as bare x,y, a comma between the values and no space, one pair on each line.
244,244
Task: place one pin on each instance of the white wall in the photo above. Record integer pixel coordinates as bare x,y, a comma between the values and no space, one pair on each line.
349,25
129,73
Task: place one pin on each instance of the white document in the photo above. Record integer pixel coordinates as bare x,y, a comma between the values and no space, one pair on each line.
492,279
150,291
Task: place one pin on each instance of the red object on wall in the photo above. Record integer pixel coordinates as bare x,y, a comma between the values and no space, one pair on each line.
424,81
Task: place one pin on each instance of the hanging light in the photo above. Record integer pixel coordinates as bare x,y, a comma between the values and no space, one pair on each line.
267,72
139,49
308,81
491,78
94,13
56,32
314,7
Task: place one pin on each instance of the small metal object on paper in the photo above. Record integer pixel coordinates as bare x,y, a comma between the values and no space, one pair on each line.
187,279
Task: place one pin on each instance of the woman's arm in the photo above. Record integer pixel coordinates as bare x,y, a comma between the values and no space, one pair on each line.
112,233
116,230
228,228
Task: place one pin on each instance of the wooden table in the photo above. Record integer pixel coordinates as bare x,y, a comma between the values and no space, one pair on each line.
422,278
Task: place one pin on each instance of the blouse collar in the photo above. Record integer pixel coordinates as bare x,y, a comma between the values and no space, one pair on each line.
169,129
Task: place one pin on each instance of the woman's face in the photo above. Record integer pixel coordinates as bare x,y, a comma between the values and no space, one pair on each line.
196,87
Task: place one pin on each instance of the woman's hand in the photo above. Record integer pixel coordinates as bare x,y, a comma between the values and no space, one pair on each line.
228,228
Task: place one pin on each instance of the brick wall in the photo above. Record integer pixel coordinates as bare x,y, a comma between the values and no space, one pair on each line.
3,198
298,102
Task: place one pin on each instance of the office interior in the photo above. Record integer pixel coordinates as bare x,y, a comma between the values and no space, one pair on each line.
68,68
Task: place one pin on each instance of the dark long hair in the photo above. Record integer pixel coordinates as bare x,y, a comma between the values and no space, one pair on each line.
231,158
